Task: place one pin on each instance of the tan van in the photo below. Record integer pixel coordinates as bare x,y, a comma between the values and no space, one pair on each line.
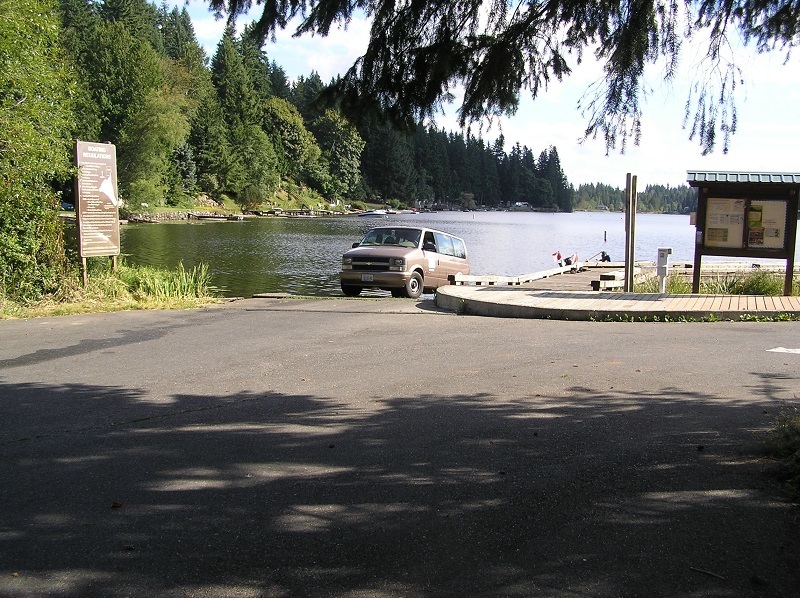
405,260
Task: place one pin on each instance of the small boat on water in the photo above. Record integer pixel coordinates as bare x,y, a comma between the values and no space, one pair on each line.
374,213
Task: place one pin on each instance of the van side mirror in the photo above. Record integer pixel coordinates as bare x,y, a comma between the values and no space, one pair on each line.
356,244
429,246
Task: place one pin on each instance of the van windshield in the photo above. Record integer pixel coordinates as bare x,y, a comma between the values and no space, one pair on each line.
399,237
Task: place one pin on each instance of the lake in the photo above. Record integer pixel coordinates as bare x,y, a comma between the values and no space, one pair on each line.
302,255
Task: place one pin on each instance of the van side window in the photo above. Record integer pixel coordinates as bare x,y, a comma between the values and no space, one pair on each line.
428,243
459,250
444,244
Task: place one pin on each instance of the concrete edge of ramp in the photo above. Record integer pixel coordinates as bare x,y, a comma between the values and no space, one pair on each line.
591,305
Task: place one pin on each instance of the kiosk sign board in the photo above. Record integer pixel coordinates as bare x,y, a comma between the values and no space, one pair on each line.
745,223
97,202
746,214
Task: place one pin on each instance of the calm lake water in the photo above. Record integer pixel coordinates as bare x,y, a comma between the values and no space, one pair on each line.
302,255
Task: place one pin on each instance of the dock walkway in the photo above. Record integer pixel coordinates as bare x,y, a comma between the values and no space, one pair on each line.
566,294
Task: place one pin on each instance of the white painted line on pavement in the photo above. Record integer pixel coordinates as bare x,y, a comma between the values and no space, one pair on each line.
784,350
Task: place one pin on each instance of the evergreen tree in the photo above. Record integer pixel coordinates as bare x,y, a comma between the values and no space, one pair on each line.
139,17
237,97
279,82
183,180
305,96
217,166
342,147
79,19
490,179
257,66
512,173
177,33
432,165
388,165
549,168
259,178
121,71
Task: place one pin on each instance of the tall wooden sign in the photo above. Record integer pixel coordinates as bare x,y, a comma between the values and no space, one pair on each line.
97,204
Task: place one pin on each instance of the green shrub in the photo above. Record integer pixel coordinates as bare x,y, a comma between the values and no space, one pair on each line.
760,283
676,285
757,282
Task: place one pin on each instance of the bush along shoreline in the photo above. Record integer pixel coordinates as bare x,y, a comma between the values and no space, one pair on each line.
130,287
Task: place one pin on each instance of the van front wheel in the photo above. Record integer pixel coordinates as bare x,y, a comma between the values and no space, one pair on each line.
350,290
414,286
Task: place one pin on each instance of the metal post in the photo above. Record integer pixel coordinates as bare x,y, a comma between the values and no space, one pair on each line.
627,230
630,231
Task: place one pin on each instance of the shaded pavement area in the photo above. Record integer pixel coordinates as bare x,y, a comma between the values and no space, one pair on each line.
385,448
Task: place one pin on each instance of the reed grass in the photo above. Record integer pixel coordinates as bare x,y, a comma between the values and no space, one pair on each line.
757,282
130,287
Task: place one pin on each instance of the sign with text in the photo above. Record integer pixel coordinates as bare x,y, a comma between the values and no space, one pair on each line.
97,203
766,224
745,223
724,222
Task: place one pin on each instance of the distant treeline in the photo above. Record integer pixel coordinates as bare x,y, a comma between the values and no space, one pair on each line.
654,198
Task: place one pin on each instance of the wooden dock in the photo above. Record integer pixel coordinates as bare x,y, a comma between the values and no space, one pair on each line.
566,293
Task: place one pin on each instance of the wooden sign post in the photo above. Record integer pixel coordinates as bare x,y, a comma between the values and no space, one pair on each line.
97,204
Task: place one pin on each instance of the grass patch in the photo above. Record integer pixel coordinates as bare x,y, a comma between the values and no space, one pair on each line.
675,285
783,443
131,287
757,282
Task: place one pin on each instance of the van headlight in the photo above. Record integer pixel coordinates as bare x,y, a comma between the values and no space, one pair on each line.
397,264
347,263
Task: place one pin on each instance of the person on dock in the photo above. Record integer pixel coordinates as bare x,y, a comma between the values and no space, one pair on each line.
565,261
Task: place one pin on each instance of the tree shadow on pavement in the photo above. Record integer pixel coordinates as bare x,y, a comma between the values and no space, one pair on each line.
583,494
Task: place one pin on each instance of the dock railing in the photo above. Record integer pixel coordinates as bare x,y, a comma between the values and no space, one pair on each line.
611,275
469,279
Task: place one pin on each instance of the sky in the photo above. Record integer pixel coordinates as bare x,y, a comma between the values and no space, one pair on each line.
768,108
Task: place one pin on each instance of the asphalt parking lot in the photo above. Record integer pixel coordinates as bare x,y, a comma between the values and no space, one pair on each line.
278,447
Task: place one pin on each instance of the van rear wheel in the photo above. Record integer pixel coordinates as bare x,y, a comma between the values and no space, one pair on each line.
414,286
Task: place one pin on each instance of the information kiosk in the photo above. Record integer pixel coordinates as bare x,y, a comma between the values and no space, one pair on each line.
746,214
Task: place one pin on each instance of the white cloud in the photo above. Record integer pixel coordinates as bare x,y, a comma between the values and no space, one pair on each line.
329,56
